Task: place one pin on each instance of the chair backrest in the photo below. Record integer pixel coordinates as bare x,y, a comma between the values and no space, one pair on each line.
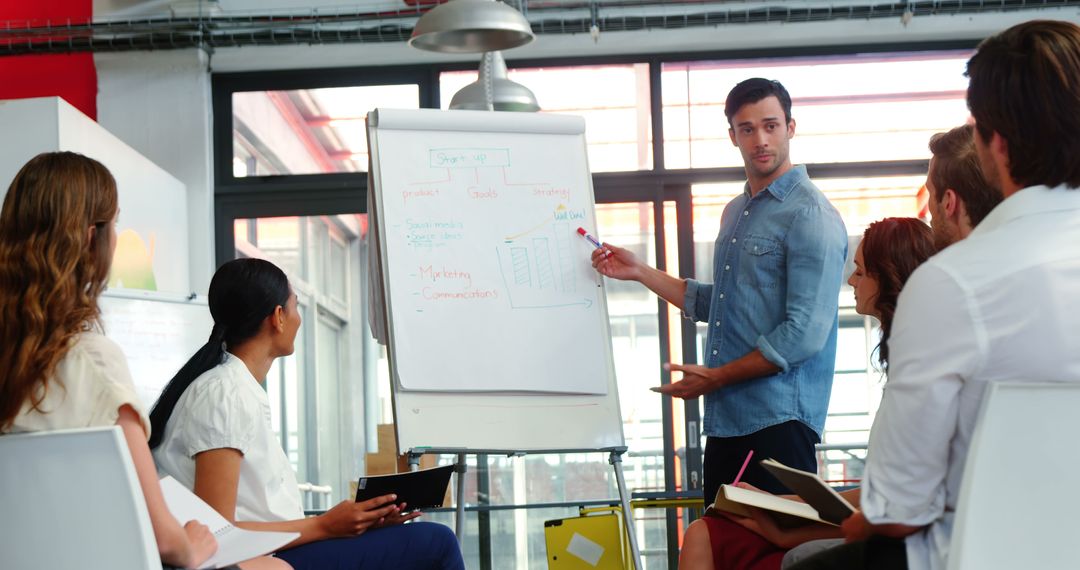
71,499
1019,503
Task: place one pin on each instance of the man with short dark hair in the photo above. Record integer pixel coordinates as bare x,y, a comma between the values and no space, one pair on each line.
772,306
999,306
960,196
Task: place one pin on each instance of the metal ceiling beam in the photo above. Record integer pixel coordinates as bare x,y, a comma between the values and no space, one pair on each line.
214,31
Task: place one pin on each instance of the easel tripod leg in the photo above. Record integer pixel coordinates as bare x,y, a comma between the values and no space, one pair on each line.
624,499
459,518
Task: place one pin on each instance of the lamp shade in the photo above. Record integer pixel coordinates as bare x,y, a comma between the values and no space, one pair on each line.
471,26
506,95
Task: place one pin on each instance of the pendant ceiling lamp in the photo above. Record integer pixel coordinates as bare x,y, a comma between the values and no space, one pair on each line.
471,26
505,95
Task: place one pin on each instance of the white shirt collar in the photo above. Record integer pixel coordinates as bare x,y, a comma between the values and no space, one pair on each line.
238,367
1030,200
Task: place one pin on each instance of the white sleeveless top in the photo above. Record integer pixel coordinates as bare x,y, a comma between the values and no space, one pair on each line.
227,408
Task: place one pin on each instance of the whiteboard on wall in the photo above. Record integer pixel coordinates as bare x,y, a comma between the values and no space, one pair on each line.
498,325
158,333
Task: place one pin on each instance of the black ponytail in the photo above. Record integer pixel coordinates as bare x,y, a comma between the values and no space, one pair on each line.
243,292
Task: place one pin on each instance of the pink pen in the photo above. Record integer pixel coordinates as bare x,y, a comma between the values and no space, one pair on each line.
743,468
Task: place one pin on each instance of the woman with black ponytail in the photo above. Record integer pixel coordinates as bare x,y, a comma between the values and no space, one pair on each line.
212,433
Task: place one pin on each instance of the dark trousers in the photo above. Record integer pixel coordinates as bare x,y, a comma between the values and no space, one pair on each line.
791,443
877,553
412,546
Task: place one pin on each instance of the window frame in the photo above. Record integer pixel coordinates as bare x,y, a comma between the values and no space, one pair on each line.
339,193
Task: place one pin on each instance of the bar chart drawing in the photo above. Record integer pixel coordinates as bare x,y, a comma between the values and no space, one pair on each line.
519,265
538,268
544,274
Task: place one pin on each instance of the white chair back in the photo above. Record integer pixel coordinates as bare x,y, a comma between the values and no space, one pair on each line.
71,499
1019,500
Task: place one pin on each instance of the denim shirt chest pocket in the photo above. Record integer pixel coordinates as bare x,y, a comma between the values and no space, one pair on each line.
761,262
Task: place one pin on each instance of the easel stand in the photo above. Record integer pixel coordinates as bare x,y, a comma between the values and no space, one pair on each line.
614,458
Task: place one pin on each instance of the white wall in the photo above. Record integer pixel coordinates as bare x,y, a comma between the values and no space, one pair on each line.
159,104
149,196
30,126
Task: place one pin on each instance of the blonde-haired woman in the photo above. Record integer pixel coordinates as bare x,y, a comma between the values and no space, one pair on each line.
57,236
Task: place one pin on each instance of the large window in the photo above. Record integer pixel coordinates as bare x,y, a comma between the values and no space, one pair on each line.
862,125
316,394
857,383
308,131
846,108
613,99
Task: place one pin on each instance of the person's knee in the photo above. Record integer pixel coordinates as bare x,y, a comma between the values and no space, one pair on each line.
698,531
437,534
435,529
442,545
696,550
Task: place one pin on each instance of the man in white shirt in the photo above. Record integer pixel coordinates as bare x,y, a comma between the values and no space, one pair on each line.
960,197
998,306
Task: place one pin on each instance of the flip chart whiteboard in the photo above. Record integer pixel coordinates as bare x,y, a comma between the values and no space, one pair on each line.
498,325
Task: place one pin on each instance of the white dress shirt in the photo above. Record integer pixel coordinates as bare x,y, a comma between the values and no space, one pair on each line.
227,408
1001,305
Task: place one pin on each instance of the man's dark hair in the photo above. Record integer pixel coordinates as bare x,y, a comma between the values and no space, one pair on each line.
754,90
956,166
1025,86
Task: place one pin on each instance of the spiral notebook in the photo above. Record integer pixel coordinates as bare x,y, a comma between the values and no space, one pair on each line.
423,489
234,544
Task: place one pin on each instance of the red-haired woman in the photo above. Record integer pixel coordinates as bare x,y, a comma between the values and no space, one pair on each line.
890,251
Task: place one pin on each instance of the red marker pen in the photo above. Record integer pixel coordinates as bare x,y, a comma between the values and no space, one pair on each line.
595,242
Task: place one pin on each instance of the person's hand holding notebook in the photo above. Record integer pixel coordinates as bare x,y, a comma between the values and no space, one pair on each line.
415,490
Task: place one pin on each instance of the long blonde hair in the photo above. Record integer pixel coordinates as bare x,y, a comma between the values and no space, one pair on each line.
53,267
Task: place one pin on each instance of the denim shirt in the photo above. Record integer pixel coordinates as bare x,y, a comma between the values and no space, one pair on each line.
778,263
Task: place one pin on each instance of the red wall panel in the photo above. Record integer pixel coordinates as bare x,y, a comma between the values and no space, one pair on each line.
71,76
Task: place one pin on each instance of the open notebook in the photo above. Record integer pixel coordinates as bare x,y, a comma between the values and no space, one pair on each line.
830,506
423,489
234,544
785,512
823,504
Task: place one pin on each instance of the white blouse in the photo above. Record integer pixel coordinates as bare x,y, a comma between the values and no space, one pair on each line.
227,408
89,386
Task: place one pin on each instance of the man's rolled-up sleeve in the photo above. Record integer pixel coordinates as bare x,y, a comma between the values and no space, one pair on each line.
816,251
697,300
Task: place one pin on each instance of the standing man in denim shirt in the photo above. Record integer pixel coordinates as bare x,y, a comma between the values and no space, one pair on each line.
772,306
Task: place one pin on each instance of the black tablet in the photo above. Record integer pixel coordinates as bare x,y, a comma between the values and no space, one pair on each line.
423,489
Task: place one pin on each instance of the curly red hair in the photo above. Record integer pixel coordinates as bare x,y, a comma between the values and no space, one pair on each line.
54,260
892,249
